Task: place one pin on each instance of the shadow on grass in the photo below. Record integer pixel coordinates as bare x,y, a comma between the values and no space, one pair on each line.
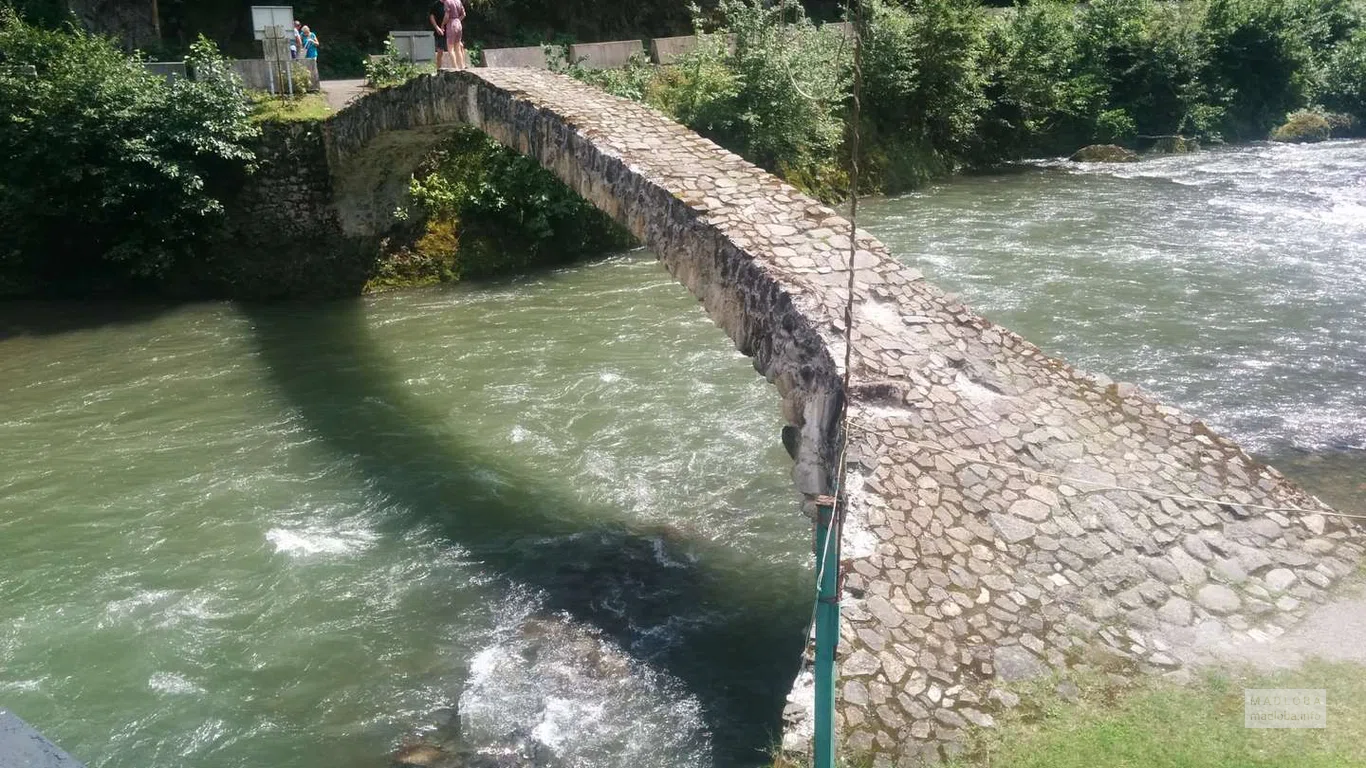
733,645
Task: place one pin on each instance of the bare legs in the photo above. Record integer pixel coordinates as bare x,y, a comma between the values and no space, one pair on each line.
460,55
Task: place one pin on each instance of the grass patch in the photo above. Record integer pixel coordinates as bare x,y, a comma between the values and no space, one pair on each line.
310,107
1161,725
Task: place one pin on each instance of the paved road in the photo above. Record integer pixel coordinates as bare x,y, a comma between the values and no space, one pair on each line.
339,93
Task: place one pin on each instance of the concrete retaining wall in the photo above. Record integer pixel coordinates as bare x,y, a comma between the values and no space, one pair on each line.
256,73
612,55
418,46
23,747
171,70
667,50
531,57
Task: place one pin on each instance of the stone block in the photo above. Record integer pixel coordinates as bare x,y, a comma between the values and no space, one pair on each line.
171,70
843,27
23,747
417,46
667,50
530,57
257,74
613,55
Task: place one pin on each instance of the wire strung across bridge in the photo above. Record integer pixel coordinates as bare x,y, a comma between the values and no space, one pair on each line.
830,510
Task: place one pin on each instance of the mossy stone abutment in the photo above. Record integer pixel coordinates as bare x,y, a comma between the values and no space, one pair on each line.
1008,514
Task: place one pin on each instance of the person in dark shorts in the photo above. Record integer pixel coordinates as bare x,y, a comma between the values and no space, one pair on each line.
436,17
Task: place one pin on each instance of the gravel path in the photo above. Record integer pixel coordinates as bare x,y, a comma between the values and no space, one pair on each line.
1334,631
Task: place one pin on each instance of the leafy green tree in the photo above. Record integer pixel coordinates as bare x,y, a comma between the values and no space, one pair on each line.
776,96
923,82
1036,96
111,173
1344,82
509,212
1260,56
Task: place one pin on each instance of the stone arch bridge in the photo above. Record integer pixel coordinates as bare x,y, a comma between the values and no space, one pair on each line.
1009,515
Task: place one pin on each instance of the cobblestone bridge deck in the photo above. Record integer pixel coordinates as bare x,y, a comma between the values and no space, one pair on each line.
965,570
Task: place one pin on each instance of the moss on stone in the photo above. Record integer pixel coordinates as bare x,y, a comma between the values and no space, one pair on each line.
1303,127
1104,153
1175,145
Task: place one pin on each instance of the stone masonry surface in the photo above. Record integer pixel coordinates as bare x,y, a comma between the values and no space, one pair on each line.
990,536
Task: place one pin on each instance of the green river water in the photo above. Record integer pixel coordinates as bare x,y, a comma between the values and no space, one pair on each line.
287,536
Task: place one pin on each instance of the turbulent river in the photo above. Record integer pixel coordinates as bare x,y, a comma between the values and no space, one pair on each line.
288,536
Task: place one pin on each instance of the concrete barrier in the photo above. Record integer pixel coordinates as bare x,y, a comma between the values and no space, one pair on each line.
530,57
171,70
23,747
418,47
667,50
256,73
845,28
612,55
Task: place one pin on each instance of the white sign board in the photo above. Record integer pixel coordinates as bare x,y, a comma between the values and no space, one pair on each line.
263,16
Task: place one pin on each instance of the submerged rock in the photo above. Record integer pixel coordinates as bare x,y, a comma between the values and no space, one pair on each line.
516,750
1175,145
1104,153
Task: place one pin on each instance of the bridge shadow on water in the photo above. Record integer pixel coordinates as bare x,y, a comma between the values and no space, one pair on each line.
735,636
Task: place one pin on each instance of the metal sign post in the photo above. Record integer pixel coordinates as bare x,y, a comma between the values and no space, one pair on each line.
827,626
276,49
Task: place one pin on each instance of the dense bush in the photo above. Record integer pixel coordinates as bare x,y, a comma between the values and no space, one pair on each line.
923,94
776,96
110,173
508,212
1119,70
1344,81
1303,127
389,68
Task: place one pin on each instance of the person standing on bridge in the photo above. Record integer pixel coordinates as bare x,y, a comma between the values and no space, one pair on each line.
311,43
455,31
436,17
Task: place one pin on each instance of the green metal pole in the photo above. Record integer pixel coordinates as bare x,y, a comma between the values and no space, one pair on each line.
827,631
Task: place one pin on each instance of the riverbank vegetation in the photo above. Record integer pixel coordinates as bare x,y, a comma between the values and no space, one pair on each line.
482,210
949,86
111,175
1156,723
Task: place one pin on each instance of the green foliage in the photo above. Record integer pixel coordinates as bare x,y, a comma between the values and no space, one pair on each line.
389,68
111,174
1134,721
511,213
1114,125
307,108
923,87
1344,81
1034,93
630,82
777,98
1303,127
1058,77
1260,55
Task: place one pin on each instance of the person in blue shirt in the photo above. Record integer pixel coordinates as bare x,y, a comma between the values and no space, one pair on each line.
311,43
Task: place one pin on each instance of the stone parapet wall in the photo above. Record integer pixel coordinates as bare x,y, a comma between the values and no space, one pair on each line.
1008,515
280,236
